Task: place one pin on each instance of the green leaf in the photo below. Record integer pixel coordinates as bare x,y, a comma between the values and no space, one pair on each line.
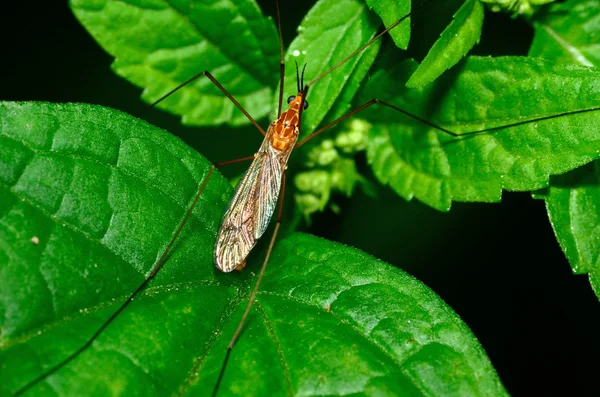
390,12
572,203
159,44
89,198
568,33
454,43
331,30
102,193
419,161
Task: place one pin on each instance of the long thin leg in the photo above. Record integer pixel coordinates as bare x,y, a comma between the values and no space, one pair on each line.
219,86
437,127
281,61
262,269
191,209
252,297
155,270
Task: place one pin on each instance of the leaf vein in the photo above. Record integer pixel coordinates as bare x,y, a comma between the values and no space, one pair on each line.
358,331
272,334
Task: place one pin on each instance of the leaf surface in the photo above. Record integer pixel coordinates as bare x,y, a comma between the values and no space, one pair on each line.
570,35
390,12
159,44
103,192
572,203
419,161
454,43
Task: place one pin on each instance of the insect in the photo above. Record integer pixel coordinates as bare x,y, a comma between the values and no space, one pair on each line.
299,106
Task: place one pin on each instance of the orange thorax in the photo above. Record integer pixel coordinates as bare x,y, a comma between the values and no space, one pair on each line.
285,130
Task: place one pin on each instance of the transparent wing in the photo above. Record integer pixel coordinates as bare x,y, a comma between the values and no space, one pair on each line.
271,176
250,209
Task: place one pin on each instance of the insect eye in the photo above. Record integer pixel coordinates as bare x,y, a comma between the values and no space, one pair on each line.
305,105
290,99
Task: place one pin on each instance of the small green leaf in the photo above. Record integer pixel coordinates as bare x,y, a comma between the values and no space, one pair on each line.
331,30
390,12
159,44
572,203
343,103
420,161
568,33
102,193
454,43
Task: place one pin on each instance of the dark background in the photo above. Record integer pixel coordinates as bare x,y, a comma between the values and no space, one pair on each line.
497,265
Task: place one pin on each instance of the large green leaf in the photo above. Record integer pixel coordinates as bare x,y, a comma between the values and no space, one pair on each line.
417,160
567,33
159,44
330,31
90,197
454,43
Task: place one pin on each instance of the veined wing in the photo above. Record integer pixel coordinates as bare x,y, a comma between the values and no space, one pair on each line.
250,209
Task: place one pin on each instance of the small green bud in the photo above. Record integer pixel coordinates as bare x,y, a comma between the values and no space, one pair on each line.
314,181
314,190
322,155
308,204
344,176
517,7
353,139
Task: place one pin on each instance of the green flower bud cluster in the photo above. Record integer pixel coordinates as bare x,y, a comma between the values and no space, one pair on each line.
330,169
524,8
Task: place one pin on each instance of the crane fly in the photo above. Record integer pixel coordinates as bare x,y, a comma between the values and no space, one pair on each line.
262,188
256,195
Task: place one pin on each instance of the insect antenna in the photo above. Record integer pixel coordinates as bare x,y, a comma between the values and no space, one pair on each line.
297,78
302,79
281,61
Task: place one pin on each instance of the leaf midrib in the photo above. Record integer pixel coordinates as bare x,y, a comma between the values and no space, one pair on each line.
356,330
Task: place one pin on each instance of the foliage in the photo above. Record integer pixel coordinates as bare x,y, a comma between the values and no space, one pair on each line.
565,33
91,196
